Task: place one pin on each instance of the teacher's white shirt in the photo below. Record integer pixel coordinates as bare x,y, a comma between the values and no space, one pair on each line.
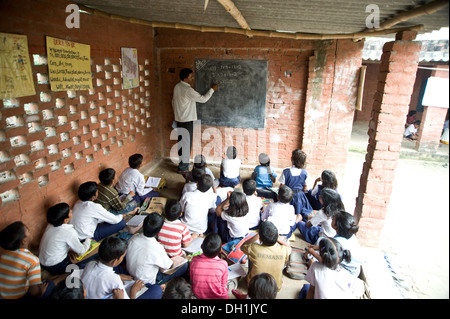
183,102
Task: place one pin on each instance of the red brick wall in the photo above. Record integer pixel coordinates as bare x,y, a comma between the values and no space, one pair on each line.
104,125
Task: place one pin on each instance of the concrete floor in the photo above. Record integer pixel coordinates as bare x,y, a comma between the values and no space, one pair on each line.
427,279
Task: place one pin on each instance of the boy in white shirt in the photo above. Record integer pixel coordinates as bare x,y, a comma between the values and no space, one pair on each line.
229,169
58,239
196,206
282,213
254,203
191,185
146,256
132,180
411,131
100,280
90,219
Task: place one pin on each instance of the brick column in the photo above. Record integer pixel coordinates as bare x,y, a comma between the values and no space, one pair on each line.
391,103
430,130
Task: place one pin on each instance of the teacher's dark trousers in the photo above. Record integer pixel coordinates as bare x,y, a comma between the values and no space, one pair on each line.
185,145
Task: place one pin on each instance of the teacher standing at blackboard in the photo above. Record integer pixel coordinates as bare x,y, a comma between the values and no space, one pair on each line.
185,111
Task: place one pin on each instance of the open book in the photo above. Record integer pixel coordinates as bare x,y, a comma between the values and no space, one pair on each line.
178,261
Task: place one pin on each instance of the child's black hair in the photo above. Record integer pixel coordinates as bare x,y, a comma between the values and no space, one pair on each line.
197,173
62,291
111,248
332,202
346,225
57,214
152,225
298,158
417,122
199,161
184,73
11,236
238,205
332,252
135,160
204,183
177,288
262,286
211,245
285,194
87,190
249,186
329,179
231,152
172,210
106,176
268,233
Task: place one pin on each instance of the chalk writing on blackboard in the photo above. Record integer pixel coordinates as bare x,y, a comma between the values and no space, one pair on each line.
241,98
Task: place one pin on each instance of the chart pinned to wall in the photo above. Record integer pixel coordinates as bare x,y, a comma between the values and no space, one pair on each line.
130,68
16,78
69,65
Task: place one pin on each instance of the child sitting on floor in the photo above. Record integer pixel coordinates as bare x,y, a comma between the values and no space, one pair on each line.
229,169
197,204
326,180
109,197
146,257
90,219
174,234
295,177
281,213
200,162
264,177
232,222
191,185
254,203
131,180
100,280
59,238
209,273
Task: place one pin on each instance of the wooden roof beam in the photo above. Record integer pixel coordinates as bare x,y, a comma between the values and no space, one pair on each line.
235,13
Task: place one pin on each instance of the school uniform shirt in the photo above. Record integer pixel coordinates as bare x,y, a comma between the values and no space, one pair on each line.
230,167
145,256
320,219
56,243
209,277
172,235
411,129
99,280
189,187
237,226
294,177
254,210
19,270
333,284
352,244
269,259
131,180
87,215
282,215
195,206
262,176
183,101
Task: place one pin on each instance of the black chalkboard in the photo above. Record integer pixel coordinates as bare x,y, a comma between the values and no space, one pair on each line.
241,98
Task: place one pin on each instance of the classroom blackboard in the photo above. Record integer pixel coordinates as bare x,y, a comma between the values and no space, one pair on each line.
241,98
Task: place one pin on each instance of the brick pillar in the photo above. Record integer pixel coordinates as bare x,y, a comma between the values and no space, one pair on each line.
396,79
430,130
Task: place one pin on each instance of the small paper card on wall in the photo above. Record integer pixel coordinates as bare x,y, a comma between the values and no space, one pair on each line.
69,65
130,68
16,77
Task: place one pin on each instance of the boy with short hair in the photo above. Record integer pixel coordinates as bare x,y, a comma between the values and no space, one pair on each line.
100,280
132,180
282,213
59,238
209,273
411,130
268,257
254,203
90,219
146,256
196,205
174,234
108,196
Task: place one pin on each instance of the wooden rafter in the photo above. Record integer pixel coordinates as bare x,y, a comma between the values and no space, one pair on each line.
235,13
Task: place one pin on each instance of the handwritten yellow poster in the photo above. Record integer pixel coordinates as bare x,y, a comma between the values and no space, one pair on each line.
69,65
16,78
